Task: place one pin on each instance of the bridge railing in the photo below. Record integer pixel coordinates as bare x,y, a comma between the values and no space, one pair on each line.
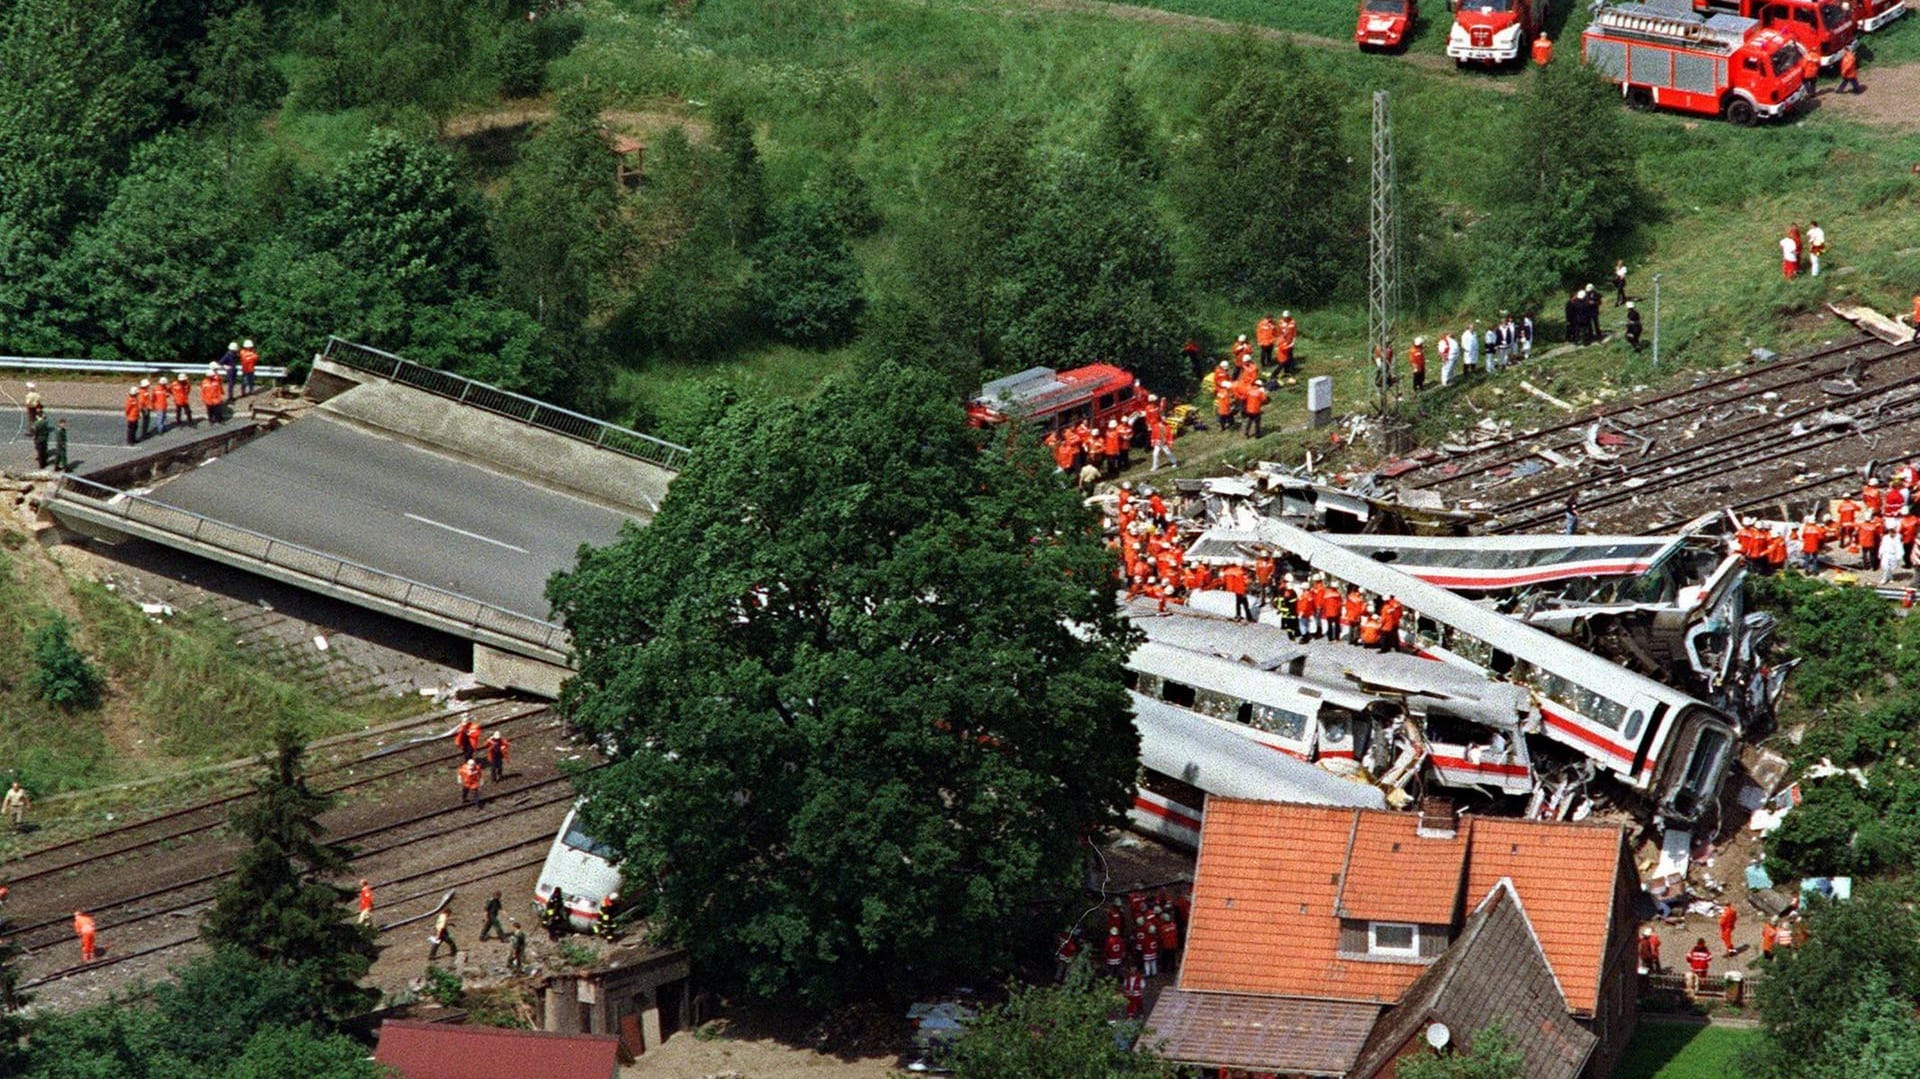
101,501
120,367
514,406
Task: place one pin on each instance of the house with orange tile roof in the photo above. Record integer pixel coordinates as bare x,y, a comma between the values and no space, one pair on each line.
1330,942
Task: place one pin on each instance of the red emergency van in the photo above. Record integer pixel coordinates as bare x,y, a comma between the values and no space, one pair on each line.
1047,398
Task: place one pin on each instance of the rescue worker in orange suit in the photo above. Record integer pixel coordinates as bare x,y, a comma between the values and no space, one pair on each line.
212,397
1729,917
1290,334
1417,361
1769,937
159,402
84,928
1870,531
1306,609
1391,614
1811,537
1649,950
1256,403
133,415
1870,495
1777,551
1351,612
1849,71
1369,633
1267,334
1329,612
469,774
497,756
1133,986
1914,319
1845,513
249,359
182,406
1699,960
466,738
1223,397
366,903
1235,579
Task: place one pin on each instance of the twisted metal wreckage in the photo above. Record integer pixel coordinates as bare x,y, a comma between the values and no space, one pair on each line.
1551,675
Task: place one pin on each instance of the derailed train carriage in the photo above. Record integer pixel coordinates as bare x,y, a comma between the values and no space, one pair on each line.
1572,717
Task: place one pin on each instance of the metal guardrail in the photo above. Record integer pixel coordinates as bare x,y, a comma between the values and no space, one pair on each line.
339,573
117,367
506,403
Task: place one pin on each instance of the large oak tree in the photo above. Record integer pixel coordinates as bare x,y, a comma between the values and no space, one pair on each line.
861,682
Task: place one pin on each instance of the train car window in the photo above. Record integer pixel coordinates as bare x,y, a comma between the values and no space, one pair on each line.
1217,705
578,839
1635,720
1177,693
1279,721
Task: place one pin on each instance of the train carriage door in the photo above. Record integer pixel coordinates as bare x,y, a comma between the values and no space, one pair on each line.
1641,732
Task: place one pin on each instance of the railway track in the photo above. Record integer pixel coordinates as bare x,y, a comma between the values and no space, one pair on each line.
140,907
1652,413
210,815
435,891
1724,461
1714,440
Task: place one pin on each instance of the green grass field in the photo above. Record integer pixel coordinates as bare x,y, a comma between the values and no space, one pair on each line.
1684,1051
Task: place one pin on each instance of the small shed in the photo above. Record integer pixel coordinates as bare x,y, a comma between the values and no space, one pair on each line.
639,994
416,1050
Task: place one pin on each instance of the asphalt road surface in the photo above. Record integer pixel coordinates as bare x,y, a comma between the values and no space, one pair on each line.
390,506
94,439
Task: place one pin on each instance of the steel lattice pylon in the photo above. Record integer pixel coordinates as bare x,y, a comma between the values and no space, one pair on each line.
1383,255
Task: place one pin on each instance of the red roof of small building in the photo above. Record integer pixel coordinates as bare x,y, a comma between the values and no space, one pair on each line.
1274,881
445,1051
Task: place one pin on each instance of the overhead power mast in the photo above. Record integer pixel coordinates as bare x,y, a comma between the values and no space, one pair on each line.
1383,258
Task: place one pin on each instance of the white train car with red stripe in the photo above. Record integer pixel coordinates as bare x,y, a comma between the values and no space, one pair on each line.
1668,745
1184,757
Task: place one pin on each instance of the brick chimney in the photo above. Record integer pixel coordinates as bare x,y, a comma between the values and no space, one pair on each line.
1438,819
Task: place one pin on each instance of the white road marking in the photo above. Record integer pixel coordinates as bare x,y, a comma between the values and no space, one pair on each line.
464,532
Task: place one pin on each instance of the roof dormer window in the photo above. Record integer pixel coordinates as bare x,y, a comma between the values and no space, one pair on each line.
1396,940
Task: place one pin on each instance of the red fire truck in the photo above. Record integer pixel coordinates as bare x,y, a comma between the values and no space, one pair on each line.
1663,54
1824,28
1384,24
1871,15
1048,399
1494,31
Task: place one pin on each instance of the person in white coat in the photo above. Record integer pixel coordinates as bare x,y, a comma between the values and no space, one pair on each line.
1470,350
1449,350
1892,552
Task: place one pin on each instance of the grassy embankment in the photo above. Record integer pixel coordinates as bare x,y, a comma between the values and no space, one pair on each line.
890,82
177,694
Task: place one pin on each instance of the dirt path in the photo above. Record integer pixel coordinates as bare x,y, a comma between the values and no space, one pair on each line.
640,122
1887,97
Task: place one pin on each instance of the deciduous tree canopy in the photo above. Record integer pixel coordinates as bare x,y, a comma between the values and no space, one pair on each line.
861,683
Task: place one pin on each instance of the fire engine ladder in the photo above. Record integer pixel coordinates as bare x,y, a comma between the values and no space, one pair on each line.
1675,27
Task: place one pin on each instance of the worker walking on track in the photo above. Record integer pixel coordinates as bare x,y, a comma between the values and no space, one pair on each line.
442,934
366,903
89,934
16,804
469,773
467,738
517,949
493,918
497,756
